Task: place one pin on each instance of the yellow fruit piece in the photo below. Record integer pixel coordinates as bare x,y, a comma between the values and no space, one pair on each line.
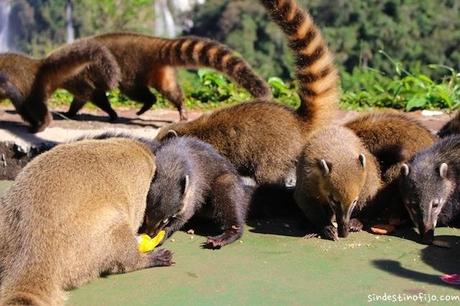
147,244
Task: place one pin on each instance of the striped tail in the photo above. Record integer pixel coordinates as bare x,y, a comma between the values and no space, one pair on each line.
201,52
315,70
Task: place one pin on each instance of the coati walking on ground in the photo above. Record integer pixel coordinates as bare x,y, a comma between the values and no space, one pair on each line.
451,127
37,79
150,61
430,186
192,178
336,177
73,213
263,139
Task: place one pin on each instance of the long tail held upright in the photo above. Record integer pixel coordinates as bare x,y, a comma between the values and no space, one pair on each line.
315,70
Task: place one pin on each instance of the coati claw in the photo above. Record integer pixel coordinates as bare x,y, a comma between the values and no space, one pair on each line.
228,236
161,258
355,225
330,232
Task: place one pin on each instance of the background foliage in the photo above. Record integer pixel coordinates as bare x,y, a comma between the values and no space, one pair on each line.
391,53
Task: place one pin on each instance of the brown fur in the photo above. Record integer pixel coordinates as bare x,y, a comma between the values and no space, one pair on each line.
73,213
324,193
392,138
261,139
147,61
37,79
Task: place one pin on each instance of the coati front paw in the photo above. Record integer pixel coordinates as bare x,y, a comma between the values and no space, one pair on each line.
230,235
330,232
311,235
355,225
160,258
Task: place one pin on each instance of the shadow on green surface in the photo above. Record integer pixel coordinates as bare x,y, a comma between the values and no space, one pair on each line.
444,260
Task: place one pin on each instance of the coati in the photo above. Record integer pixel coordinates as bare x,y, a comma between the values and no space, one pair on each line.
336,177
263,139
451,127
392,138
37,79
72,214
150,61
430,186
192,178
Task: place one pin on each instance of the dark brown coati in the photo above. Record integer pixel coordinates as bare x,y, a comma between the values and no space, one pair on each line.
37,79
336,177
263,139
192,178
392,138
72,214
451,127
147,61
430,186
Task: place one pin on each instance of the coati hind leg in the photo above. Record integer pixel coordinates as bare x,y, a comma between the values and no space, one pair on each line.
125,257
165,81
230,204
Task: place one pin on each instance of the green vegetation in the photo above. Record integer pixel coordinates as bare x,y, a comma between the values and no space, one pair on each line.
363,88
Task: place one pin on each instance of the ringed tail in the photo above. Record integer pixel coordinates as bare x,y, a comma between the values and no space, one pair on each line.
198,52
315,71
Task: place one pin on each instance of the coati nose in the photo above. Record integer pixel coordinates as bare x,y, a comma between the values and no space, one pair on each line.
428,236
342,229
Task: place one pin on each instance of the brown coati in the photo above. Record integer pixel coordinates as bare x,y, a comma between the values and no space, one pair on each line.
336,177
37,79
392,138
451,127
430,186
72,214
263,139
147,61
193,179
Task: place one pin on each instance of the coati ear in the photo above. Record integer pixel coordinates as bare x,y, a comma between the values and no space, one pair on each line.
405,169
443,170
362,159
171,134
325,167
185,184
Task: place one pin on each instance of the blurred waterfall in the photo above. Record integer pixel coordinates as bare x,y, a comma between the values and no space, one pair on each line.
5,10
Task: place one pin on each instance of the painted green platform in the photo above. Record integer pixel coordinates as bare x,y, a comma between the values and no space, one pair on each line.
270,269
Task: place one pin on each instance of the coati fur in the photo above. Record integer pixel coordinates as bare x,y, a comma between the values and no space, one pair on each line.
193,179
430,186
336,177
37,79
72,214
147,61
451,127
262,138
393,138
9,91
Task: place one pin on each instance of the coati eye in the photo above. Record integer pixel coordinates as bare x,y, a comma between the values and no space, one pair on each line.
436,203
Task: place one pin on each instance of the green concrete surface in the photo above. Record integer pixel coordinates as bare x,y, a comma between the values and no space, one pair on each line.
273,269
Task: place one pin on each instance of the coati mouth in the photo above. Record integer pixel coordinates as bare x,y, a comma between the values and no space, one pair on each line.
427,236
